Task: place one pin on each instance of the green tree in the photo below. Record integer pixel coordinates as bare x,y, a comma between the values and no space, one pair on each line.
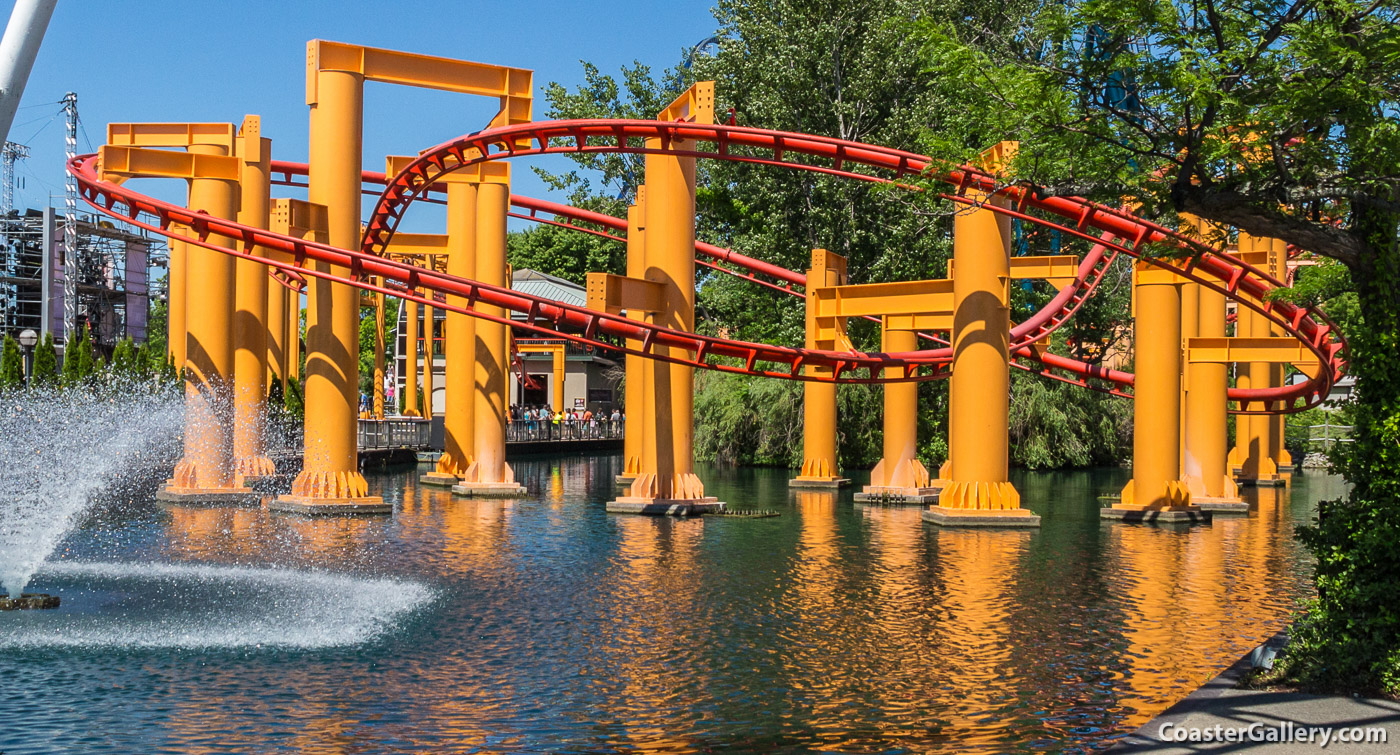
846,71
77,360
1279,119
391,314
565,253
123,362
45,372
11,365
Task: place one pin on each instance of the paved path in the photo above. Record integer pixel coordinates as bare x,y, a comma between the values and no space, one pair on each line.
1219,703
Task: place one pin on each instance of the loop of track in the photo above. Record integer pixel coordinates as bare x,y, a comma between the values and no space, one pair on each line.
1239,281
1247,285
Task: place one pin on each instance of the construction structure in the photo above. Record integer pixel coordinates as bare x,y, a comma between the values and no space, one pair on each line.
958,327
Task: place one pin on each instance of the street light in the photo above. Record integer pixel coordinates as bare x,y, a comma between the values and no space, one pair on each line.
27,340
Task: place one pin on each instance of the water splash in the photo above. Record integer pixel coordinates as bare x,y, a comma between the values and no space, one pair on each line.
59,451
201,607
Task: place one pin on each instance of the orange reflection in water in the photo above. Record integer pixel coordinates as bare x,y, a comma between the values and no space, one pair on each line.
653,618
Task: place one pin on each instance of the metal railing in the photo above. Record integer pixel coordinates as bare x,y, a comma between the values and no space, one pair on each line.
531,430
1330,434
404,432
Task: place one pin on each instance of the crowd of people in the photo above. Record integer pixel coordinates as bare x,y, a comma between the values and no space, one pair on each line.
543,423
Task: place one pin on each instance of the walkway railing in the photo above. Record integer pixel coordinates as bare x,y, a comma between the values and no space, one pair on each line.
532,430
400,432
1330,434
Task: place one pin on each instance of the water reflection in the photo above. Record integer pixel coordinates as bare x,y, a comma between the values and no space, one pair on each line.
833,627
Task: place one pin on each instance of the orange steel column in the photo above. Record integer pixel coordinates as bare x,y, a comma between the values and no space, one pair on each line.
979,491
175,304
410,365
206,472
250,317
634,391
1283,461
428,348
819,463
1156,493
490,475
1206,474
459,419
330,480
378,356
276,335
293,325
899,475
1257,446
1190,328
667,483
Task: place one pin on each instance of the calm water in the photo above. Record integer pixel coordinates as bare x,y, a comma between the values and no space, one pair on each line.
546,625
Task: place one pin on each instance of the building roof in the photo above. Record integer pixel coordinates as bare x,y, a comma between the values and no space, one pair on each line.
536,283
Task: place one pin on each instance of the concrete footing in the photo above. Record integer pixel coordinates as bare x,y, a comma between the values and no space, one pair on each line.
439,479
1191,515
665,506
819,483
1220,505
624,480
981,518
488,490
30,601
1265,482
899,496
209,496
295,504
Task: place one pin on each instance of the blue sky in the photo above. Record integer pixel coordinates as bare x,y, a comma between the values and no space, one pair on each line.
206,60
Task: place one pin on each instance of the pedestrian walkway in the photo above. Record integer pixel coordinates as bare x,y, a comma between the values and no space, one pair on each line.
1268,715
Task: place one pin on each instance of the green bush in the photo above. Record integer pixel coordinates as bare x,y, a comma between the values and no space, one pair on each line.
11,366
45,371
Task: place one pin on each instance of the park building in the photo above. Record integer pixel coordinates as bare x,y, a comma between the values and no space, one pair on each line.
113,284
590,379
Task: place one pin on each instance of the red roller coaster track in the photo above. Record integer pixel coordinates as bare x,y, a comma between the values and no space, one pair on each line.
1237,280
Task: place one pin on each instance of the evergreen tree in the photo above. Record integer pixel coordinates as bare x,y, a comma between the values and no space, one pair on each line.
11,366
123,362
77,360
142,366
45,363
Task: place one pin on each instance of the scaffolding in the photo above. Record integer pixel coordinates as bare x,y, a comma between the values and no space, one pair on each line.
119,273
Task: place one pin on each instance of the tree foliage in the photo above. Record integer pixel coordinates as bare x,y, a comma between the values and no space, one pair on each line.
1277,118
78,363
11,365
849,71
45,370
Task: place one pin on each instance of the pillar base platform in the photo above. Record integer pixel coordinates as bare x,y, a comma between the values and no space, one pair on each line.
819,483
1275,481
489,490
297,504
439,479
1220,505
1183,515
900,496
168,493
981,517
666,506
624,480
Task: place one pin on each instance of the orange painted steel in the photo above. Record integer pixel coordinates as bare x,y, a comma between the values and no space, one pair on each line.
1157,354
819,460
250,317
1212,269
979,390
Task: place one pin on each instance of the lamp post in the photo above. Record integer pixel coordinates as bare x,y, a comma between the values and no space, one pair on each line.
27,340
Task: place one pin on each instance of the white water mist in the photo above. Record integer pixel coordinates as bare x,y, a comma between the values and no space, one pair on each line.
61,451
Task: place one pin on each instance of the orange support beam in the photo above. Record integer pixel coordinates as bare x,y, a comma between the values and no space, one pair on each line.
666,483
820,467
